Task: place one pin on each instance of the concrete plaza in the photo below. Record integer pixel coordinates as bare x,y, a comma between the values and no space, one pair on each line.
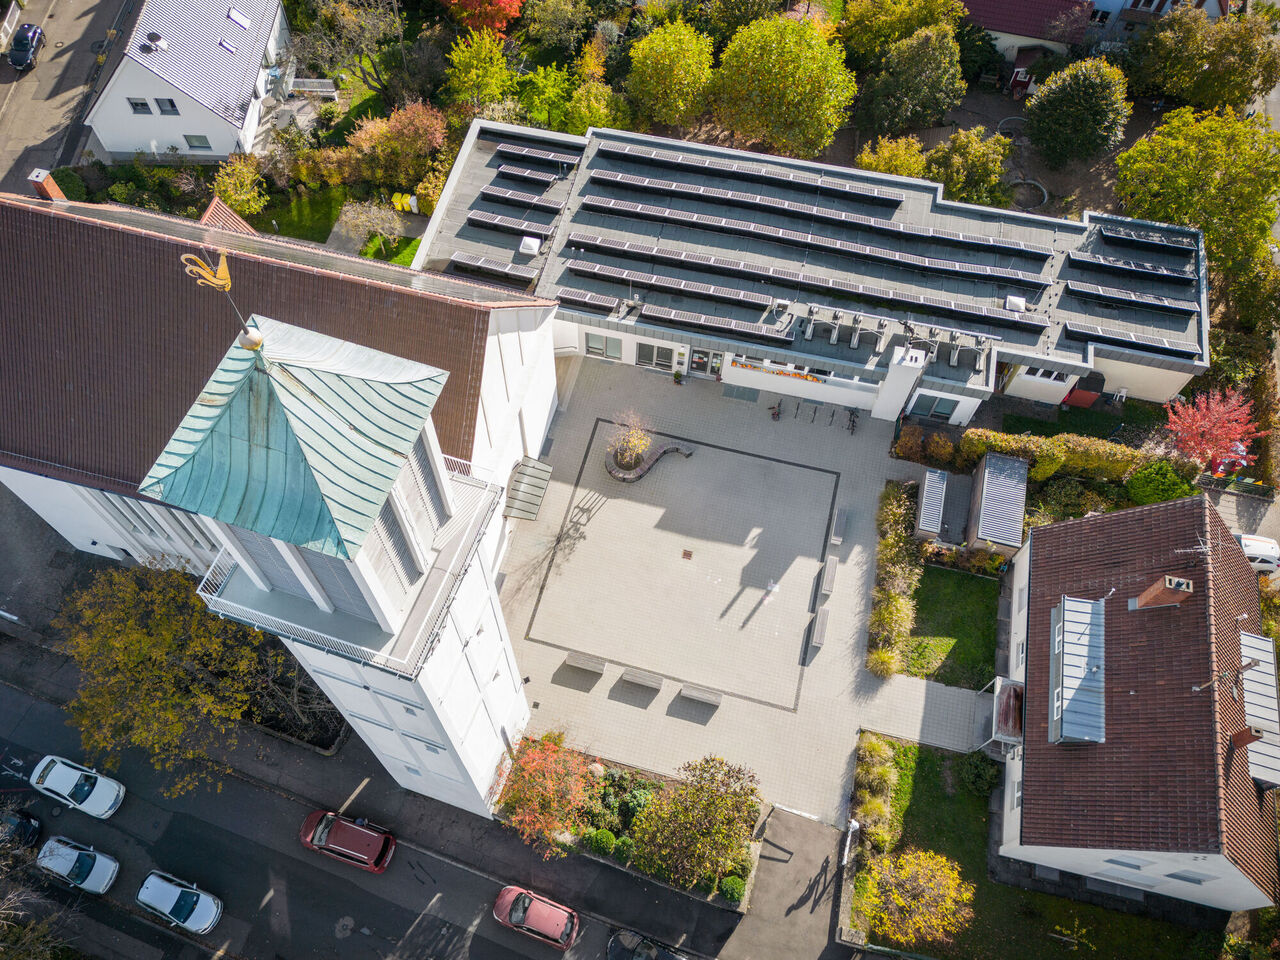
705,573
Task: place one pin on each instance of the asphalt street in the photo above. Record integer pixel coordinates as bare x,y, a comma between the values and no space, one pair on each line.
241,843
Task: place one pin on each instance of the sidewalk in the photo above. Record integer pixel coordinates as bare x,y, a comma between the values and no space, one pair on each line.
791,904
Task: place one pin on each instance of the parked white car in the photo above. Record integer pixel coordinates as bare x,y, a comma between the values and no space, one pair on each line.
80,866
179,903
1263,553
79,787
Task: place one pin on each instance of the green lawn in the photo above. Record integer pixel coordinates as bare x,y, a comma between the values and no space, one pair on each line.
1009,923
364,103
309,217
399,250
954,640
1087,423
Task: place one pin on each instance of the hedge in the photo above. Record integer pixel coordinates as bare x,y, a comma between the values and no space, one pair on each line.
1067,453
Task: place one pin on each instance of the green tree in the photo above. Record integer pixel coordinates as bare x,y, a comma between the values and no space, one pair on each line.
780,81
594,104
1214,171
396,150
1228,62
1156,482
699,828
902,157
919,81
727,17
544,94
557,26
158,671
917,897
978,53
349,35
478,72
970,167
871,27
670,71
1079,112
238,184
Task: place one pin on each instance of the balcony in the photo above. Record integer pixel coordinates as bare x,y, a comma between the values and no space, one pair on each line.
229,592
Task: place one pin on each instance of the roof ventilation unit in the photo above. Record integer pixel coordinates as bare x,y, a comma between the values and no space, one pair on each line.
954,359
531,246
155,42
1016,303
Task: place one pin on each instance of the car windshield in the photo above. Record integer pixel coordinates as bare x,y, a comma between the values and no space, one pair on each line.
81,869
21,43
47,769
185,906
519,907
566,932
322,829
84,786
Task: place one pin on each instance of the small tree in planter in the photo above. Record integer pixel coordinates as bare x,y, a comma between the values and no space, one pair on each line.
631,441
546,792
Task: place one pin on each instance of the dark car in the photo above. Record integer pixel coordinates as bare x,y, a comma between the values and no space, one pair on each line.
27,41
629,945
537,917
357,842
19,828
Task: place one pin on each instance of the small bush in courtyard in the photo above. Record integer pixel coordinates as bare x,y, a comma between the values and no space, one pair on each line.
602,842
732,889
71,184
910,445
741,866
939,449
979,773
631,440
624,849
873,810
917,897
879,779
1155,483
871,750
892,617
546,792
883,662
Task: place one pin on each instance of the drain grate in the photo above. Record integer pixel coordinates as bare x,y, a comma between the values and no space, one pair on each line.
687,554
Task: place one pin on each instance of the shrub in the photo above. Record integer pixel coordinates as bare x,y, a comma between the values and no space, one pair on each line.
883,661
892,617
546,792
879,779
732,889
872,810
917,896
1086,457
70,183
624,849
910,445
602,842
1156,482
238,183
878,837
898,566
632,803
979,773
871,749
939,449
741,866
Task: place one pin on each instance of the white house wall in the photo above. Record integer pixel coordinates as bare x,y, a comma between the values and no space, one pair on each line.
1142,383
1041,389
124,132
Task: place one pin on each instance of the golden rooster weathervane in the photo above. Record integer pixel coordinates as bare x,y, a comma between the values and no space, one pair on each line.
205,275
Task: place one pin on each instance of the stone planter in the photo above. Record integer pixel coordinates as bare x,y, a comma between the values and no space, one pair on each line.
646,463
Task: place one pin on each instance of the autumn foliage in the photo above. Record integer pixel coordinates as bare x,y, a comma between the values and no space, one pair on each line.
546,792
1215,427
916,897
484,14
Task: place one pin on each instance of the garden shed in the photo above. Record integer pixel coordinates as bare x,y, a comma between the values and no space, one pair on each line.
943,508
999,503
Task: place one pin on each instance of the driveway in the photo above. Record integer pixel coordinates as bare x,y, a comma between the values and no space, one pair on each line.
40,108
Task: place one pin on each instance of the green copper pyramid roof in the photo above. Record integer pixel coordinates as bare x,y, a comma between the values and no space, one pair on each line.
299,440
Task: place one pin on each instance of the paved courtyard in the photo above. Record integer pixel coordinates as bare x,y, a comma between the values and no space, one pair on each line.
705,572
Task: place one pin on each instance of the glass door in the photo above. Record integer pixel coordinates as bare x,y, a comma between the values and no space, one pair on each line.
699,362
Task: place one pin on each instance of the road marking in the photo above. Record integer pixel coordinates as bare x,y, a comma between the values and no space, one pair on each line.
354,793
267,899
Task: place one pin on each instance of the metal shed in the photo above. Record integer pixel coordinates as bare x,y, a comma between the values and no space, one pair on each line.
999,503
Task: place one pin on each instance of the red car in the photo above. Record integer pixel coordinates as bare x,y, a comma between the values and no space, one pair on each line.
537,917
351,841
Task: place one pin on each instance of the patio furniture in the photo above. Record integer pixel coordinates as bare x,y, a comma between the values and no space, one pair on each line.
819,632
642,678
840,527
828,576
650,458
584,661
700,694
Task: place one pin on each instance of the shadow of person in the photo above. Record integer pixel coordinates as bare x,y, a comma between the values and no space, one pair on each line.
816,890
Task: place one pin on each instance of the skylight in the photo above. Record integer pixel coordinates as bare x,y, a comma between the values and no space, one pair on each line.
238,18
226,45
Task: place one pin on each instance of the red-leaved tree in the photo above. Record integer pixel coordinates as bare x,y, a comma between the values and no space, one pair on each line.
1214,428
484,14
546,792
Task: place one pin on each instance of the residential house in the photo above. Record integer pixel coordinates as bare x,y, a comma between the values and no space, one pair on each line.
1032,26
1149,743
325,439
818,282
192,78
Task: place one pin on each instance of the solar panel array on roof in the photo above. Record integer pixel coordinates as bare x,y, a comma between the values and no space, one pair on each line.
529,153
1118,295
751,171
781,332
1261,708
1084,260
478,264
1144,238
582,298
482,218
837,216
524,173
1077,330
669,284
520,199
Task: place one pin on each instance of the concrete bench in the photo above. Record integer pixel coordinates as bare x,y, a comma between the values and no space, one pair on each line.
584,661
642,678
819,632
700,694
840,527
828,576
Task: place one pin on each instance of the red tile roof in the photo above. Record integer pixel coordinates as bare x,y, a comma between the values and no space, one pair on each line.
1166,778
218,214
1024,18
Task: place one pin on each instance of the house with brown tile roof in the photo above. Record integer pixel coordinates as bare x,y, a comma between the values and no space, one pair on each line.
1150,735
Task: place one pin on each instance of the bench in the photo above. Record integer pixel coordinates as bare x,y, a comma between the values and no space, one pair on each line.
819,632
642,678
700,694
840,526
584,661
828,576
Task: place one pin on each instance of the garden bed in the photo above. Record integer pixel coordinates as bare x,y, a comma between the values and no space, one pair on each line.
954,639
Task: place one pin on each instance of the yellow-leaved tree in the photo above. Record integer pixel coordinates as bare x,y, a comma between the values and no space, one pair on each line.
916,897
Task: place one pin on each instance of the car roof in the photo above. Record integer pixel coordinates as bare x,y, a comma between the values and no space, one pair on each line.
159,890
58,854
548,918
63,777
355,840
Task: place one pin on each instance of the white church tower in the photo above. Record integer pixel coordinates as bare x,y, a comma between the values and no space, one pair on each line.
344,533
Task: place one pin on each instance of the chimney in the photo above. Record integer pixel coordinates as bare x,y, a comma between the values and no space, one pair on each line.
1168,591
45,186
1245,736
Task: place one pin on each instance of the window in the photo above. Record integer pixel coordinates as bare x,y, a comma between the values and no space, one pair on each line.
1022,598
601,346
226,45
1100,16
1057,704
934,407
166,106
1190,876
1130,863
238,18
197,142
1017,794
1057,637
139,106
649,355
1042,374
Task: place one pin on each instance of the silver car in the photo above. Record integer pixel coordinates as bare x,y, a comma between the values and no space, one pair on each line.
78,787
82,867
178,903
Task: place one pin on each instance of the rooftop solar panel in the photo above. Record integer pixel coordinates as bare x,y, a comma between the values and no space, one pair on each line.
1093,291
520,199
530,153
781,332
524,173
509,224
1147,238
1084,260
582,298
477,264
1092,332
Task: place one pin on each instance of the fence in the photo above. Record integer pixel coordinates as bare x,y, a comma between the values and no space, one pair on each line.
9,24
1243,485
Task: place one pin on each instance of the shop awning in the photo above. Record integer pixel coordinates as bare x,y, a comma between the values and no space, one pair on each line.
527,488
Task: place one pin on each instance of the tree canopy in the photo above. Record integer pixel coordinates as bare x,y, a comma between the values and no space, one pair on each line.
484,14
544,94
1214,171
348,35
918,82
1214,428
871,27
238,184
780,81
978,52
557,26
901,156
970,167
727,17
594,104
546,792
1228,62
478,72
670,71
396,150
1079,112
917,897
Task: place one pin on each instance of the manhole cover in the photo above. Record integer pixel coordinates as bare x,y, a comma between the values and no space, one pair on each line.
687,554
58,44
